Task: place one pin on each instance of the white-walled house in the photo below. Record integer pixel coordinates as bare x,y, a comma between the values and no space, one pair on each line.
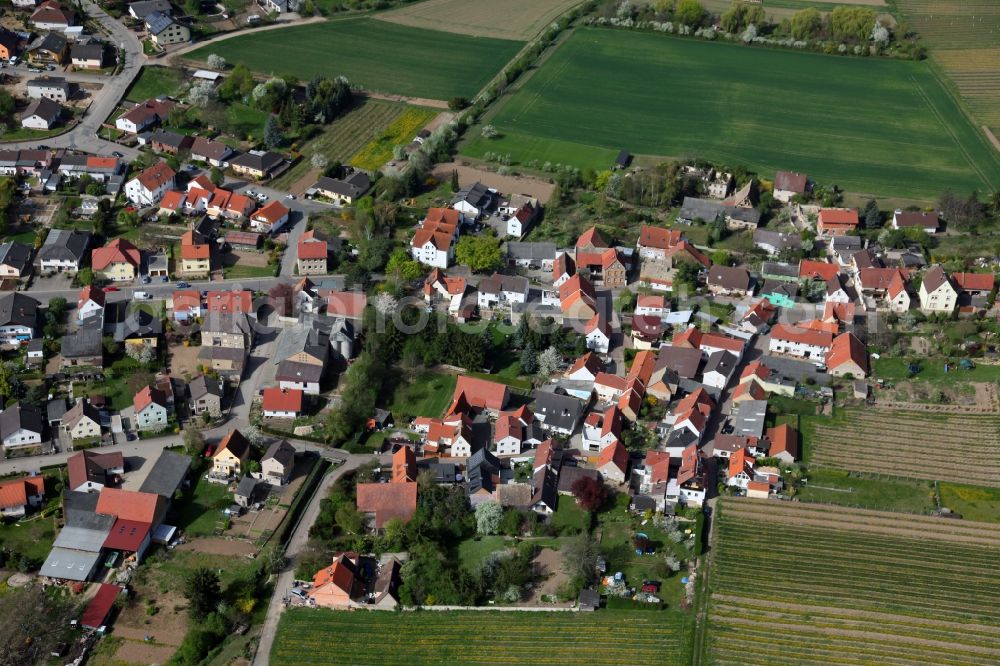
801,342
937,293
148,187
598,334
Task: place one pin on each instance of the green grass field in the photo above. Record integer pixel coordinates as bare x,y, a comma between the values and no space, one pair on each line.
426,394
973,502
871,126
606,637
932,369
154,82
800,584
831,486
376,55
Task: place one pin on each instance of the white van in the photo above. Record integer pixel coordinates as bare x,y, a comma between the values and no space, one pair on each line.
142,295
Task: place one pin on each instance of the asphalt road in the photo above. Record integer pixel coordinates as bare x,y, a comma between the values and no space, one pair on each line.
84,136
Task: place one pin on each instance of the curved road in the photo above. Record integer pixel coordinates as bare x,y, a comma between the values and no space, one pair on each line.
84,136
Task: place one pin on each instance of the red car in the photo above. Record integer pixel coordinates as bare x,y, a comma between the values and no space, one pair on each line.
110,289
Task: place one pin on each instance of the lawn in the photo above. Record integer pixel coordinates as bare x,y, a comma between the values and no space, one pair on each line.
831,486
605,637
345,136
874,126
245,272
376,55
569,515
32,537
850,587
426,394
155,82
473,552
973,502
244,121
200,510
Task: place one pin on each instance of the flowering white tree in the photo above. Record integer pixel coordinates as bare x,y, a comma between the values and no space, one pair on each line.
202,94
880,34
319,161
385,303
489,132
142,353
548,362
215,61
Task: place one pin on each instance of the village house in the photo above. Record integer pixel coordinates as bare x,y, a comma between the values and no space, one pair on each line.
278,463
144,115
801,342
304,377
602,429
775,242
270,218
171,143
279,403
18,318
788,184
577,299
148,187
17,495
51,49
51,16
343,191
15,259
87,56
42,114
312,254
164,30
836,221
256,164
151,409
735,216
613,463
927,222
501,290
474,201
226,329
848,356
118,261
515,215
215,153
231,456
195,256
205,396
937,293
54,88
433,243
82,421
597,331
729,281
21,426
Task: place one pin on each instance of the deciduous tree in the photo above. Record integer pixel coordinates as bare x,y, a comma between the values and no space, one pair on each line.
202,591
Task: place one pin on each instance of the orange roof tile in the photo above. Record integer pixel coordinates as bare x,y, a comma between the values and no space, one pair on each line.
784,439
658,237
129,505
591,238
387,501
801,335
229,301
846,348
277,399
117,251
616,455
809,268
272,212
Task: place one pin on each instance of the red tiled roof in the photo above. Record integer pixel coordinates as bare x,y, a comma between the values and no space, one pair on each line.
642,367
481,393
689,464
339,574
801,335
312,249
563,264
817,269
85,465
615,382
844,312
195,252
790,181
272,212
446,215
186,299
915,219
973,281
616,455
229,301
147,396
277,399
591,238
127,535
719,341
130,505
543,454
350,304
591,361
99,607
659,464
235,443
574,289
846,348
387,501
156,176
117,251
838,217
172,200
404,465
15,492
650,301
784,439
658,237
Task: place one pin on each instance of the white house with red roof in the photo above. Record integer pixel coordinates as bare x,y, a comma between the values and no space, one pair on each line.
651,305
270,218
847,356
281,403
433,243
148,187
151,409
597,331
90,303
800,342
586,368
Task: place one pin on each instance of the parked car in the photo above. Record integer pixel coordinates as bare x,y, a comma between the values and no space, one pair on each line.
130,436
289,196
183,285
146,279
142,296
118,154
110,289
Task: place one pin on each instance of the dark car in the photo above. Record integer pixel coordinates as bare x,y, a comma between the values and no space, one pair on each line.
183,285
130,436
117,154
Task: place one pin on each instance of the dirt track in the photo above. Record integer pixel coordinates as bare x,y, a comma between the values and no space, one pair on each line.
539,189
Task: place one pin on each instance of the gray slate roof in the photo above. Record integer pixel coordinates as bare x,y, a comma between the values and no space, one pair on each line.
708,209
85,342
281,451
19,416
14,254
531,251
557,410
167,474
65,245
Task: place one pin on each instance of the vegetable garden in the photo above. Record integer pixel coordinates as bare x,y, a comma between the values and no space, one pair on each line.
316,636
794,583
964,448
